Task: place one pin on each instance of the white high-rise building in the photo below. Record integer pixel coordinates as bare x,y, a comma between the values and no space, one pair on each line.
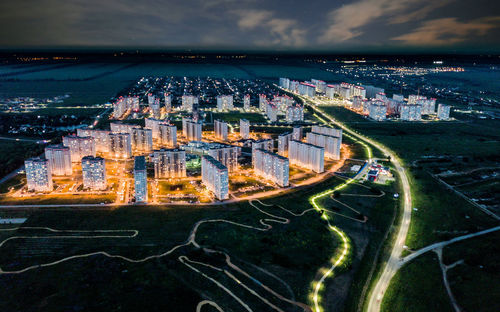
120,107
378,111
155,108
168,101
327,131
142,140
294,86
263,102
169,163
331,144
271,167
118,127
244,129
428,105
191,129
189,102
307,89
398,97
101,138
121,145
357,103
214,175
283,142
410,112
154,125
297,133
94,173
267,145
320,85
38,174
295,113
79,146
59,158
284,83
246,102
168,135
372,91
140,179
151,98
307,156
272,112
225,102
330,91
227,155
220,130
443,112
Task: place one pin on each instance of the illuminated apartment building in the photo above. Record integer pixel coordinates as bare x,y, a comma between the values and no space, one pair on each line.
142,140
283,142
191,129
263,102
118,127
169,163
331,144
297,133
168,101
272,112
246,102
225,102
410,112
284,83
267,145
167,135
307,89
94,173
121,145
214,175
307,156
327,131
155,108
377,111
295,113
226,154
79,147
154,125
101,138
189,102
244,129
38,174
443,112
220,130
59,158
271,167
140,179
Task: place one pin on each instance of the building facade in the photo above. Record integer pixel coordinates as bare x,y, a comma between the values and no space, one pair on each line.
79,146
140,179
244,129
59,157
220,130
94,173
169,163
214,175
271,167
307,156
331,144
191,129
120,145
38,175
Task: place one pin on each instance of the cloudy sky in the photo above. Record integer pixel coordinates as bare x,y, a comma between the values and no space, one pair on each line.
355,25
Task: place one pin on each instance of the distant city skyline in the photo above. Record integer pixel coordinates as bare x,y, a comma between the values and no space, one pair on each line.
359,25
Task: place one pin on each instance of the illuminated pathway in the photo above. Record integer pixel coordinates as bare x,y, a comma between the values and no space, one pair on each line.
391,266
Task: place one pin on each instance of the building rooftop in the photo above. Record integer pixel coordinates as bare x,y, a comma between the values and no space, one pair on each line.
140,163
214,162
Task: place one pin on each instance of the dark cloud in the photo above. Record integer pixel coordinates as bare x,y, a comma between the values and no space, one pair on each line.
243,24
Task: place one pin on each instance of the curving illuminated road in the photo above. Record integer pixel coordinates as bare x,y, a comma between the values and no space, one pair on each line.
392,263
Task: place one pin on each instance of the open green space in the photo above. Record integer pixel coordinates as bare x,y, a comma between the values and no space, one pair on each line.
15,154
410,290
478,274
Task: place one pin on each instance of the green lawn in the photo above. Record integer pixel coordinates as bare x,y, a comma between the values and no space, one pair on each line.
418,286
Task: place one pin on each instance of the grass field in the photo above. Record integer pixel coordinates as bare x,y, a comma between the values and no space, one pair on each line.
413,292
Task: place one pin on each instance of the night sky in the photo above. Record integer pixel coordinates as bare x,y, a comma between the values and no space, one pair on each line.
359,25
